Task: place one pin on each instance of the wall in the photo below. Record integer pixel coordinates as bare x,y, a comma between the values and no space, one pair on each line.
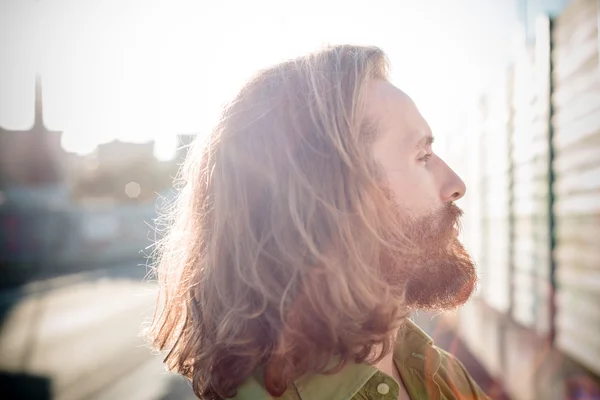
576,143
533,172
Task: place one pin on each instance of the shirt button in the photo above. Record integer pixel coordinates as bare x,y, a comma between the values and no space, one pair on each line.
383,388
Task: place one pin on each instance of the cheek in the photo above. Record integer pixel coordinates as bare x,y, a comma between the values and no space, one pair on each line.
414,190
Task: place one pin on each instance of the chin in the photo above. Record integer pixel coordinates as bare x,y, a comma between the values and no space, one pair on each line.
445,284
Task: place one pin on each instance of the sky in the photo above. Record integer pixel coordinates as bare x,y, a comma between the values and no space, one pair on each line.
138,70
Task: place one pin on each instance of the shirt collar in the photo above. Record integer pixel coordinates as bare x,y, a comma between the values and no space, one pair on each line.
340,386
413,348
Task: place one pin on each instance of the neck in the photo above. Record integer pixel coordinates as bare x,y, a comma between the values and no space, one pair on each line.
386,364
388,367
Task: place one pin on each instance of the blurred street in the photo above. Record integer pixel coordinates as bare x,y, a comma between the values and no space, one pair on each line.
81,331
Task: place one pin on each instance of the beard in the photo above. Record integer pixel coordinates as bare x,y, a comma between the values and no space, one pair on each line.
437,274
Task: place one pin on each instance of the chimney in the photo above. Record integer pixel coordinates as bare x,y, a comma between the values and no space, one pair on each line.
39,104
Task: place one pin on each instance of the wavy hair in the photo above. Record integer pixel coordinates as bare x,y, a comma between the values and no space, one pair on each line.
270,261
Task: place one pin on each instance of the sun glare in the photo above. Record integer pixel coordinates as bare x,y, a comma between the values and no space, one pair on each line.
168,67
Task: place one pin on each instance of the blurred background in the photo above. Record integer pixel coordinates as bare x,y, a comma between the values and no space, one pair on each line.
99,100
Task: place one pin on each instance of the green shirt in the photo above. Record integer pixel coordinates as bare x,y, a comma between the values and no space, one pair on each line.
427,372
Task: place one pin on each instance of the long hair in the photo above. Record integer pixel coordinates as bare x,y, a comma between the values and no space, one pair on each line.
270,261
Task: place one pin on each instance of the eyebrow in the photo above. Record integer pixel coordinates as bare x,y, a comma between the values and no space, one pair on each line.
425,141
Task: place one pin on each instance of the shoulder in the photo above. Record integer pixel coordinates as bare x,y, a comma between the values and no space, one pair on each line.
453,377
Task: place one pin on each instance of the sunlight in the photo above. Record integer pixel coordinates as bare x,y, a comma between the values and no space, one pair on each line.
165,147
79,144
169,66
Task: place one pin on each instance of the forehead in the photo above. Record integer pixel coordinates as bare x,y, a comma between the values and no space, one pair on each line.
393,113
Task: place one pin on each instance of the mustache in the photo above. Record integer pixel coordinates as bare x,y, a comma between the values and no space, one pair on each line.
450,214
438,226
450,217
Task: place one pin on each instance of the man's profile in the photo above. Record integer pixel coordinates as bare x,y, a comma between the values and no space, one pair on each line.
310,224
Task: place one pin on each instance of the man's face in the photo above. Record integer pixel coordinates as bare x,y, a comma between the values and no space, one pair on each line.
441,275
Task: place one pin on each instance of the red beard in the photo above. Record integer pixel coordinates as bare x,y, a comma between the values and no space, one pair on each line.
439,275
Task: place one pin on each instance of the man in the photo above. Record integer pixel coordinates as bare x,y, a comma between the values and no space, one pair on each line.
310,224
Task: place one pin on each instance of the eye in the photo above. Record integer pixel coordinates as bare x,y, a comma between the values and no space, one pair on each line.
425,158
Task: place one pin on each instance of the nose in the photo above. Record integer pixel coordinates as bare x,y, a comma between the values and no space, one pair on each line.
454,187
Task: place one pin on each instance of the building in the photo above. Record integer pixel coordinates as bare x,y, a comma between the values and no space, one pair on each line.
32,162
117,154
